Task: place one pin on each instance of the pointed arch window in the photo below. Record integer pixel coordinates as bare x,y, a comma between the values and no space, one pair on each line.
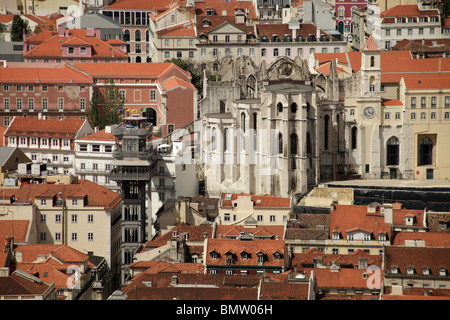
280,143
425,151
294,143
392,152
354,137
294,108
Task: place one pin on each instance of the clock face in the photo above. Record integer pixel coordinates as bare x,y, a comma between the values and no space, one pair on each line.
369,112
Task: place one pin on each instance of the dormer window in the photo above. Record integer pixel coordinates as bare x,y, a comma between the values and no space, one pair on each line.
382,237
336,236
426,271
206,23
260,259
442,272
244,255
409,220
394,269
214,255
277,256
410,270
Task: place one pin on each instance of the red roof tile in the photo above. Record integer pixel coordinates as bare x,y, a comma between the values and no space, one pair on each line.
259,200
252,248
33,127
345,218
31,74
96,195
18,229
430,239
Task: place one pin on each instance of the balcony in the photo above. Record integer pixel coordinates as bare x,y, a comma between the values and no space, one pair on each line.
119,154
143,174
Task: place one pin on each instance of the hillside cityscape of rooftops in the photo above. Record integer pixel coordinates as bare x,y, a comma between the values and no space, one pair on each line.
238,152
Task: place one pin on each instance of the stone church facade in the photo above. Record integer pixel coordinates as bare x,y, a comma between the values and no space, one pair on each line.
270,129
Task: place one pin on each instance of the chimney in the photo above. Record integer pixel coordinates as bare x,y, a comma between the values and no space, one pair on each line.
387,212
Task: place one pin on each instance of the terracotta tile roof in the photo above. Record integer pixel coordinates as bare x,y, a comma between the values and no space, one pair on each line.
259,200
100,135
399,217
418,82
268,232
346,218
96,195
194,234
141,5
229,6
391,102
17,284
281,30
192,287
217,21
127,70
175,82
46,272
305,260
411,293
401,11
252,248
370,45
430,239
425,45
166,265
61,74
193,293
33,127
284,290
49,44
186,29
418,258
6,18
18,229
435,221
63,253
344,278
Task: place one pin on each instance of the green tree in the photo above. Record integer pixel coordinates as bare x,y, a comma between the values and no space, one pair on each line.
196,78
105,108
17,28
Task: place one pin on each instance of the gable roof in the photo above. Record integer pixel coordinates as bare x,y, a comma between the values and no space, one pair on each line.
49,44
429,239
252,247
43,74
18,229
418,258
19,283
96,195
129,70
258,200
33,127
348,218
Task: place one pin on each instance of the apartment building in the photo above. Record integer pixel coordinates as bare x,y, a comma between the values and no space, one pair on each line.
47,141
246,209
403,22
403,101
82,215
45,91
71,46
94,157
134,18
161,92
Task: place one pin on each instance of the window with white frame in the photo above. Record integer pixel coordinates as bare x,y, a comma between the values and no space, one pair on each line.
61,104
6,105
31,104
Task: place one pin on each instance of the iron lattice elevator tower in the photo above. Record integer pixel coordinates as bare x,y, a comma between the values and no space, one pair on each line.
132,171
